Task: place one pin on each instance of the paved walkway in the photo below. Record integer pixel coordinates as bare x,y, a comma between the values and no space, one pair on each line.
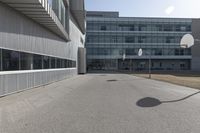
102,103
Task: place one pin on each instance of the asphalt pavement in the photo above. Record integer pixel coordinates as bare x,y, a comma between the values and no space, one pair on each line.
102,103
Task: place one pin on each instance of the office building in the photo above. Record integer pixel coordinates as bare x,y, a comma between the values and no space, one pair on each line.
113,42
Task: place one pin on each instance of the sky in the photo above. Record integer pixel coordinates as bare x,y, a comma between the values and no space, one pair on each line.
148,8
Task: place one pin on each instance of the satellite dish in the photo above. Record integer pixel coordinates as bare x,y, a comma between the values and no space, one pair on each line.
187,41
140,52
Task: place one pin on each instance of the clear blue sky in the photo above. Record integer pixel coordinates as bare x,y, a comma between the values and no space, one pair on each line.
148,8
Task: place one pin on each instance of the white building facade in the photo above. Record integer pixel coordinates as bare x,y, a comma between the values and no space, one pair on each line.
39,42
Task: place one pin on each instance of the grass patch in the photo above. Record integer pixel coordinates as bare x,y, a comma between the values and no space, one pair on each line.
188,79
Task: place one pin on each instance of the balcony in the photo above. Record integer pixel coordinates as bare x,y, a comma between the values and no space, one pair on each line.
41,12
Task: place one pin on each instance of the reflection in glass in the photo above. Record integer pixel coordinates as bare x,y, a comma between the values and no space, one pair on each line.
37,62
10,60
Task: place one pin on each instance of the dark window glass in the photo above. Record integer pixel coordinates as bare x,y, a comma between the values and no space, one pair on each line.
159,27
160,64
182,51
103,27
130,51
66,63
70,64
176,51
158,51
74,64
62,63
129,39
168,27
10,60
25,61
58,62
53,62
37,62
188,28
46,62
142,27
142,39
132,28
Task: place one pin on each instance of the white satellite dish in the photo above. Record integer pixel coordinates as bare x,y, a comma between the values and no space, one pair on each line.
187,41
140,52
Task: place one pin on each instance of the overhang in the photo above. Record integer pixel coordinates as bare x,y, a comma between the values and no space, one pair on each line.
78,10
41,12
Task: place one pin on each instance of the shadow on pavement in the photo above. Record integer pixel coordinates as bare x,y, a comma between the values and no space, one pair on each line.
152,102
112,80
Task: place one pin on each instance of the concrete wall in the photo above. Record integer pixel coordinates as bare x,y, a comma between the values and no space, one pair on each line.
20,33
196,47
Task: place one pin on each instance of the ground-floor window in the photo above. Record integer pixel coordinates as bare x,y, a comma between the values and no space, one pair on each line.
138,64
11,60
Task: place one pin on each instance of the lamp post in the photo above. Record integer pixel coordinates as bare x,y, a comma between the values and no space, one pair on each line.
140,52
150,64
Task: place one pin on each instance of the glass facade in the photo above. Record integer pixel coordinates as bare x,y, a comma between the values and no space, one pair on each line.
14,61
108,39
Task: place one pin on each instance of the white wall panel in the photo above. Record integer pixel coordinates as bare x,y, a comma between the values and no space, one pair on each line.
11,83
20,33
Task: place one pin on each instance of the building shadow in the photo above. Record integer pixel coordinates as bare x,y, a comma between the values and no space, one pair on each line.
152,102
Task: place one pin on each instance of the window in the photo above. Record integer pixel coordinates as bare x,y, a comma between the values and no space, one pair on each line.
159,27
170,39
182,52
62,63
142,27
103,27
129,39
160,64
176,51
188,28
58,62
25,61
10,60
142,39
53,62
37,62
14,60
46,62
158,51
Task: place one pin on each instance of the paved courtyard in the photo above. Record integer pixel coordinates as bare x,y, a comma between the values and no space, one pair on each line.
102,103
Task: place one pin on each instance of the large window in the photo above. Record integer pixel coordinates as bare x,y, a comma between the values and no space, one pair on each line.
37,62
46,62
13,60
25,61
53,62
58,63
129,39
10,60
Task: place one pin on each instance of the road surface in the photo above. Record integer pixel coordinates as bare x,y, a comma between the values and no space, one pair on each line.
102,103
